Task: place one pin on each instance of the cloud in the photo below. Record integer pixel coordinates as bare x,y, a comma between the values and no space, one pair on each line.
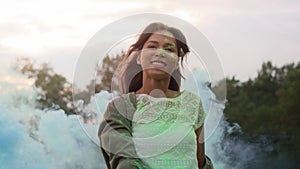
241,31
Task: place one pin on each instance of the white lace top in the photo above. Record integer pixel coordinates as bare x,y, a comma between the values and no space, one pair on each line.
164,130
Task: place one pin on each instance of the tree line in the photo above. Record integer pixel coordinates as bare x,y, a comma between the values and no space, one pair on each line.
55,91
268,105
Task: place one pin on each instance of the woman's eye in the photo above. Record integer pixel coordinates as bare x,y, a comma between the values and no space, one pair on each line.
151,46
170,49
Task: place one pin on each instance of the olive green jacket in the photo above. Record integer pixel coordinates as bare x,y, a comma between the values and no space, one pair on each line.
115,135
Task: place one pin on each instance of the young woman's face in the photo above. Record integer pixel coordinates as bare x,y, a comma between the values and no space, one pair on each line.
159,55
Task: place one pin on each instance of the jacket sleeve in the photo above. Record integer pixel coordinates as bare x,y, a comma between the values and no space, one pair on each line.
115,135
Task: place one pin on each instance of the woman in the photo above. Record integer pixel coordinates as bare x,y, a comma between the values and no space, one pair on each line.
154,124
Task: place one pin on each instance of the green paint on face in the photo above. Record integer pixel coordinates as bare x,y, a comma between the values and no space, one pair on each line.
170,44
166,33
170,48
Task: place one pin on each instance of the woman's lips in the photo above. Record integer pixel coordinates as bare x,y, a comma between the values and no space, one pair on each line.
158,63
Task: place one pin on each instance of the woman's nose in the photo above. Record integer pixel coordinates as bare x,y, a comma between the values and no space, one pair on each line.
160,53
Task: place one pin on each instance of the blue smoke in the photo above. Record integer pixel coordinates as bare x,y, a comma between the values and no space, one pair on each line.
34,139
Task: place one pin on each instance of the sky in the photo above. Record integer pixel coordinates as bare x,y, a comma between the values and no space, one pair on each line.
244,33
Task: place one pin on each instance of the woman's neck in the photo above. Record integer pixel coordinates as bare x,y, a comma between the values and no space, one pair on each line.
156,87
